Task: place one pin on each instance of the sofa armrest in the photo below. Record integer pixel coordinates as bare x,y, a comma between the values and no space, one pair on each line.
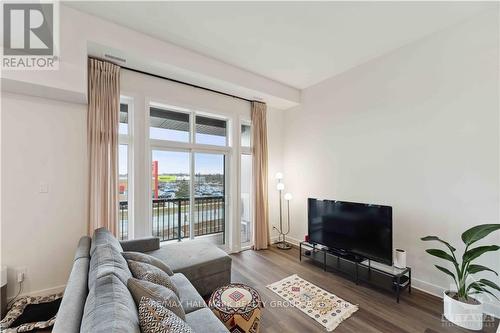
141,244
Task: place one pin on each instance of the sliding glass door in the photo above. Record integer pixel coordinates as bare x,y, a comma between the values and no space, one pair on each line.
246,202
170,194
209,195
173,195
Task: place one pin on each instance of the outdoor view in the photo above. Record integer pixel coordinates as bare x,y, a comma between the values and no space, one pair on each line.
171,185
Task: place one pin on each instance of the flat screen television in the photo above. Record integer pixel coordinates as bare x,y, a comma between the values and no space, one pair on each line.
361,229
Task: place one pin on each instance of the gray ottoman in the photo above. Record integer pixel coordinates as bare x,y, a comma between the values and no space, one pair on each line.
206,266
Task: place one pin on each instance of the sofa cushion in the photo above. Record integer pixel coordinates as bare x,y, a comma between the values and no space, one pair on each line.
189,297
107,260
142,257
155,318
83,248
166,297
147,272
69,316
110,308
103,236
204,320
144,244
196,259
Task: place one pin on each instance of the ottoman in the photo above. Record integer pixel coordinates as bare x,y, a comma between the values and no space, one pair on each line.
205,265
238,307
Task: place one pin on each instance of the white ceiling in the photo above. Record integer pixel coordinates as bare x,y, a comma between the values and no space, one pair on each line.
295,43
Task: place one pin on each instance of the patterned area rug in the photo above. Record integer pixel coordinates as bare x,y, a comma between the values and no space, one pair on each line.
326,308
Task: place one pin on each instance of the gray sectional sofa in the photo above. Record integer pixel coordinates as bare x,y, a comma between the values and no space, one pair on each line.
96,298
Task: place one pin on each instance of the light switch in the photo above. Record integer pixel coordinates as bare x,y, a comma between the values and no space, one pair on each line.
44,187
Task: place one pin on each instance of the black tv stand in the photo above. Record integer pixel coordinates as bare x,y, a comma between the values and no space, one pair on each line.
345,255
360,269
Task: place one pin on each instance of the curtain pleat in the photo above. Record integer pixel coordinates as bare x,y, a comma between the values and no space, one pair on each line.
261,210
102,130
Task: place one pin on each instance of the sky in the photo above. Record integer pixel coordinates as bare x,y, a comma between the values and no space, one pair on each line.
178,162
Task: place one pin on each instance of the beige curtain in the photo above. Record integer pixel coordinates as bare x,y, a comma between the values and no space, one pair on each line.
261,210
102,131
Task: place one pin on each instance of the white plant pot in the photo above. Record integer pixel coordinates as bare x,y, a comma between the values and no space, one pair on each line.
465,315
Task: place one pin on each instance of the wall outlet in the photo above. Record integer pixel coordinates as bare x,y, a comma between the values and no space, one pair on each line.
21,274
44,187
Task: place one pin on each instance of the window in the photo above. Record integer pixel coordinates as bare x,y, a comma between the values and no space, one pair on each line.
188,155
123,126
182,161
246,226
210,131
123,190
246,135
168,125
209,195
124,178
171,193
246,200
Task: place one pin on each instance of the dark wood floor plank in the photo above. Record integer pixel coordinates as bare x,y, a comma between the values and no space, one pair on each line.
378,313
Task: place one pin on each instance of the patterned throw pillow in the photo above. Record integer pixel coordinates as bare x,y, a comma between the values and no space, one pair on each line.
160,294
142,257
154,318
147,272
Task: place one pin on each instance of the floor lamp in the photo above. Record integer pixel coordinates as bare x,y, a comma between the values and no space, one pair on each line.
282,244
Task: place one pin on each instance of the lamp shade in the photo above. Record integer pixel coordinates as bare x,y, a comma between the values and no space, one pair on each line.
280,186
279,176
288,196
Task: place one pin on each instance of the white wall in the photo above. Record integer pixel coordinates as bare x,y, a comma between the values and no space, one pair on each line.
43,140
417,129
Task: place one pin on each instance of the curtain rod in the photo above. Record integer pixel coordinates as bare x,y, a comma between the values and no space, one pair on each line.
188,84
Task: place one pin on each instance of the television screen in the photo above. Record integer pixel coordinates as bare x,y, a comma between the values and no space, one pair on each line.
362,229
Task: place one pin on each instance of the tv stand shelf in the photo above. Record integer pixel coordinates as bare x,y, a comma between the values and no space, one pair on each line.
359,269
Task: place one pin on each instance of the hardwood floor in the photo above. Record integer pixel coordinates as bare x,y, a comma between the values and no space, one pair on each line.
378,310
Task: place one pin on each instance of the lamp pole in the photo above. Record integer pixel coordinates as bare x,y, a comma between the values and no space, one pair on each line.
281,221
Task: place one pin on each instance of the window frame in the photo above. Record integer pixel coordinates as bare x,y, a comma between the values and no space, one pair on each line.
245,150
128,140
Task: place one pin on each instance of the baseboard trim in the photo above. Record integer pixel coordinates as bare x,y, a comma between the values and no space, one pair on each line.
290,240
491,309
41,292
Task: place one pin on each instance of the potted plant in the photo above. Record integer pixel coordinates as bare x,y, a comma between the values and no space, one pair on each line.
459,306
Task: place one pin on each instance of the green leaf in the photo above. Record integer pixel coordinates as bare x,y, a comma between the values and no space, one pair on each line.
474,285
481,290
447,271
478,232
478,251
435,238
489,283
479,268
489,292
441,254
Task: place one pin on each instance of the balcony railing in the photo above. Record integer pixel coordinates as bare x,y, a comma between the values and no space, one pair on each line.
171,217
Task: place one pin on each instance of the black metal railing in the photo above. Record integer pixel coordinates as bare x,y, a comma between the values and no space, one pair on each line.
123,218
170,218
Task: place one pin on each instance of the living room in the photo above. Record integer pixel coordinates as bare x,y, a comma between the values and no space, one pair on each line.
348,147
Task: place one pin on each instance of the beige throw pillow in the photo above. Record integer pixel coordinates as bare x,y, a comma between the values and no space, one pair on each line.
166,297
142,257
147,272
